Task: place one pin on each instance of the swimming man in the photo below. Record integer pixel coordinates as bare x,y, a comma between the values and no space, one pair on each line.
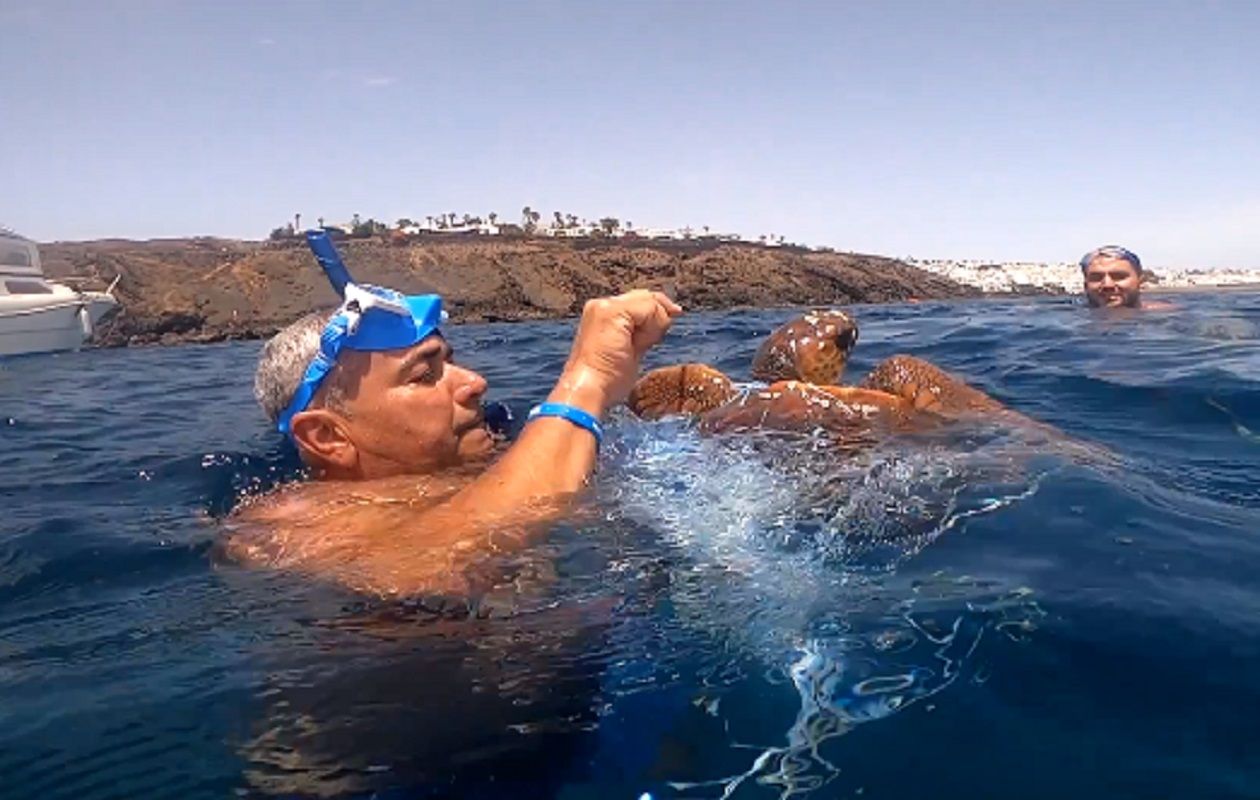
1113,279
409,487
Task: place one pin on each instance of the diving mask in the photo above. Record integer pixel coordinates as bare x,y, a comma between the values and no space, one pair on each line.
369,318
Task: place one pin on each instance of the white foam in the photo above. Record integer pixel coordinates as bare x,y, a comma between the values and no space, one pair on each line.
782,536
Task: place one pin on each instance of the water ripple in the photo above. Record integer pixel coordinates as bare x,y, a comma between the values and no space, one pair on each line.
753,616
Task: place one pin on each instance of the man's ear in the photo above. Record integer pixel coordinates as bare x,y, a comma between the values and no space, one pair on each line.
324,441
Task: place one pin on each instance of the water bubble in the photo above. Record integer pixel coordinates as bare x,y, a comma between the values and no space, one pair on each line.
894,640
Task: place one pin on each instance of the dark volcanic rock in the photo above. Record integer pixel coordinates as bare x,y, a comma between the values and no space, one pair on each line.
200,290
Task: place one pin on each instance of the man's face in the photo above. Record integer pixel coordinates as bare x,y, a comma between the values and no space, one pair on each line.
413,410
1112,283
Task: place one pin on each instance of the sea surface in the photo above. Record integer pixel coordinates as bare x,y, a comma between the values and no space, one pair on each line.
991,610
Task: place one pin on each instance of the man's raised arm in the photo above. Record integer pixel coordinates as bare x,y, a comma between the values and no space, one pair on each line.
551,459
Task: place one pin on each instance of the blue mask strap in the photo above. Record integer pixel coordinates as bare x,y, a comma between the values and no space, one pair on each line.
330,343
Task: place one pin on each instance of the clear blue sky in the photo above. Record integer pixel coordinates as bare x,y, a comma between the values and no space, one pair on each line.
936,129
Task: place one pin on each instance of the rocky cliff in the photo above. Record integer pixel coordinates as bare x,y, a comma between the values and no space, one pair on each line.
214,289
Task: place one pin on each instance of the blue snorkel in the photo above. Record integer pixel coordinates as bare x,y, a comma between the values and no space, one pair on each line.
370,318
330,260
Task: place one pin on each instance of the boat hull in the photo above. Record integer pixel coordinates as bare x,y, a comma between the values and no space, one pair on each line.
52,328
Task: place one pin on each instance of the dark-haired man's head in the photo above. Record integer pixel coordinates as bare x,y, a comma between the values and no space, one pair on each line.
1113,277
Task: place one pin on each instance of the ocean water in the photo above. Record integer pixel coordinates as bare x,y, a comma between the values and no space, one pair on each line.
987,611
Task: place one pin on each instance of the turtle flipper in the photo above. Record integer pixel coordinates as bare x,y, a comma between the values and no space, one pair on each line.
927,387
680,389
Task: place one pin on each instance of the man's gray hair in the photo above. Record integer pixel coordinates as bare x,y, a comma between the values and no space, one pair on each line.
283,362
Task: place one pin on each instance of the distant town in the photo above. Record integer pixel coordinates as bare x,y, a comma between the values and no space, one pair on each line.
999,277
532,223
1022,276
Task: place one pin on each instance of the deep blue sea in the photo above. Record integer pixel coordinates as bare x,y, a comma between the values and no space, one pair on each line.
980,612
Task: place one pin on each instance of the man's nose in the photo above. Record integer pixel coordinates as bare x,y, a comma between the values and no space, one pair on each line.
470,386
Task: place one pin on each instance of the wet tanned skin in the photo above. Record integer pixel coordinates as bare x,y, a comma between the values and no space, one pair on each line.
409,498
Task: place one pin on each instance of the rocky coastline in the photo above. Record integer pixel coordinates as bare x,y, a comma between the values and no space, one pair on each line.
205,289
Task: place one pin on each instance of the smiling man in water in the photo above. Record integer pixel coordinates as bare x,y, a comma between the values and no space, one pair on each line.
409,487
1113,279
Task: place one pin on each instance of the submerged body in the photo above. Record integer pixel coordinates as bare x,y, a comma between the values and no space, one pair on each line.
803,361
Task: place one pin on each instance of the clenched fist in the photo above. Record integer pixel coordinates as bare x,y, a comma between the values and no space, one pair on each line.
611,338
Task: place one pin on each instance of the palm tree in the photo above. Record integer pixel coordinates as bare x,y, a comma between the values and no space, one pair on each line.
493,217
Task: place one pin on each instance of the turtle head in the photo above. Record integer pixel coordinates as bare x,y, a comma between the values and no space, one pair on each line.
813,348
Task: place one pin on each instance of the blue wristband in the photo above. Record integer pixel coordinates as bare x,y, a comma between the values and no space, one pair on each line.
575,415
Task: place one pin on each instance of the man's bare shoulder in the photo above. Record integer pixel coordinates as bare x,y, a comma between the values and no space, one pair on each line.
306,501
331,528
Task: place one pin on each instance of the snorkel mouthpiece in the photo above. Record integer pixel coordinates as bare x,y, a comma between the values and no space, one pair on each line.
369,318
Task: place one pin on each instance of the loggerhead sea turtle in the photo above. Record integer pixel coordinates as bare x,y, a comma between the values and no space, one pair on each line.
802,361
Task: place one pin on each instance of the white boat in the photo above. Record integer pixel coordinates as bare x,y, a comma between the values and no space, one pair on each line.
38,315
